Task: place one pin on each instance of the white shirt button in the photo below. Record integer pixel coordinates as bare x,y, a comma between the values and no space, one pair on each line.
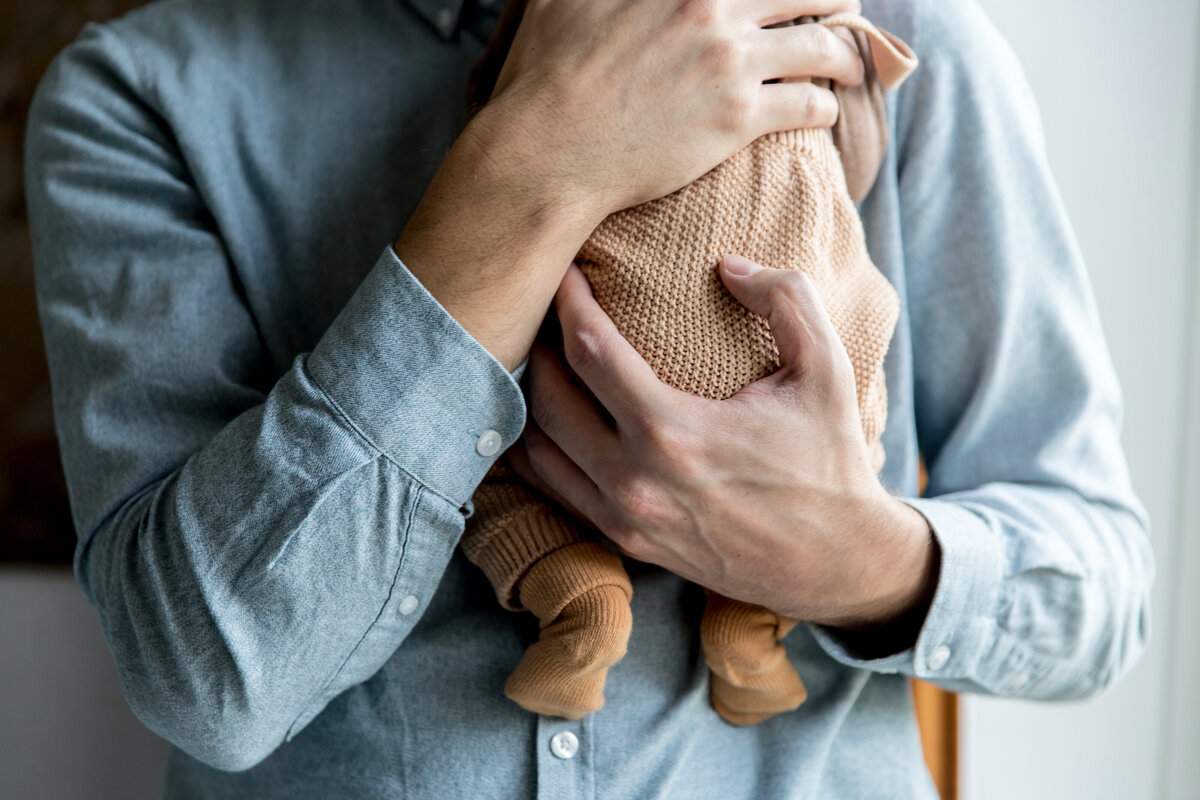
1020,679
939,657
488,444
564,745
408,605
445,19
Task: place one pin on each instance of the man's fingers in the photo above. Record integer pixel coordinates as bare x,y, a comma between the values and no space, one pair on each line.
788,106
770,12
567,415
615,373
544,466
803,51
795,314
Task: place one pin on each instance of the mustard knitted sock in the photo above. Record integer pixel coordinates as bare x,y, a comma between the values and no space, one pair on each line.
751,676
581,594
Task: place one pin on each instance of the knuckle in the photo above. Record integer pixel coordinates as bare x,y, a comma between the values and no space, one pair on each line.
812,103
724,57
802,285
735,112
583,347
856,69
822,42
816,105
806,100
702,13
787,293
538,450
642,423
636,498
632,541
673,447
543,413
828,110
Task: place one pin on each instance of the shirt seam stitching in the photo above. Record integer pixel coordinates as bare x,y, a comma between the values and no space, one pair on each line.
412,512
345,417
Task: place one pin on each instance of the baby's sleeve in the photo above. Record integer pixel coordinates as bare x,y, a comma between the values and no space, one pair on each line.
861,132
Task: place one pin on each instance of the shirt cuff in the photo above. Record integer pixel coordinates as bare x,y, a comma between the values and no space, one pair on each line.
960,627
416,385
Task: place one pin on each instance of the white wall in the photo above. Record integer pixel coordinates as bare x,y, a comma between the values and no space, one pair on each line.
1116,85
65,730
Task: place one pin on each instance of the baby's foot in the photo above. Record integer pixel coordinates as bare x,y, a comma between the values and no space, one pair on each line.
562,674
752,678
581,594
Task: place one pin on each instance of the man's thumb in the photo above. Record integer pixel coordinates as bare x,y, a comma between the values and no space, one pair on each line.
788,301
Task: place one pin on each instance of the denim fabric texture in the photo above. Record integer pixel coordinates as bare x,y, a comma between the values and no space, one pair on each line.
269,426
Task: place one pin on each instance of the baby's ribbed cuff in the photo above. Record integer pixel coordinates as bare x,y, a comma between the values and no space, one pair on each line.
567,573
522,534
726,619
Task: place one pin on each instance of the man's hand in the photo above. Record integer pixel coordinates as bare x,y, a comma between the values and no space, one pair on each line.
618,103
767,497
602,105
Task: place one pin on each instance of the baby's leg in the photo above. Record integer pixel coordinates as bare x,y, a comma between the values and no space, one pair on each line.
536,559
581,594
752,678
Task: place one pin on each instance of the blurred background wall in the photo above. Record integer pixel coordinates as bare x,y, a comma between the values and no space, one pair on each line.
65,731
1117,86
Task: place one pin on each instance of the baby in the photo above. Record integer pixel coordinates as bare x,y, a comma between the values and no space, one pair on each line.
785,201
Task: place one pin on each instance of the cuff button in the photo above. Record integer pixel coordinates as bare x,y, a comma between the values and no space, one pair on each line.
488,444
939,657
408,605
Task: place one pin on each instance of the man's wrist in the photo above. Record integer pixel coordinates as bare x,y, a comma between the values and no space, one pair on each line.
900,584
507,142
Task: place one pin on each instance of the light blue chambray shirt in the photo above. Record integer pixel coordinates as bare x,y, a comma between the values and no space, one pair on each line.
269,428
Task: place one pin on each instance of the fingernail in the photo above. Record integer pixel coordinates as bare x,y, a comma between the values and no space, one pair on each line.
739,265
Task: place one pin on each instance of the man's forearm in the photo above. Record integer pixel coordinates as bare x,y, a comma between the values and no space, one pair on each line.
492,239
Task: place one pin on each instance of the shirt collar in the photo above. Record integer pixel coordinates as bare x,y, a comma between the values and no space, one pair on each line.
442,15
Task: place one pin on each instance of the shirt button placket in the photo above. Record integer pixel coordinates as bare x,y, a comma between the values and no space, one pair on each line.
564,744
563,758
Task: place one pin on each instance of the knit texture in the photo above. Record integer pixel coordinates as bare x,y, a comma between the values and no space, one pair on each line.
511,530
751,676
581,595
784,202
780,202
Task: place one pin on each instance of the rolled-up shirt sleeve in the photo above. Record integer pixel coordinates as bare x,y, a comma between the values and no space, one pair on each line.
254,543
1046,567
